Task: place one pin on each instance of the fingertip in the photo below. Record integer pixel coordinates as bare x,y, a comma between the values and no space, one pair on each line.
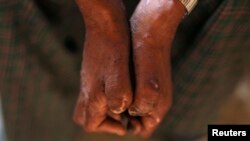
149,123
114,116
146,100
118,106
136,126
120,103
113,127
135,111
142,107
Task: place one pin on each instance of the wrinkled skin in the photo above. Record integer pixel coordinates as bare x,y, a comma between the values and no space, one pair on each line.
105,80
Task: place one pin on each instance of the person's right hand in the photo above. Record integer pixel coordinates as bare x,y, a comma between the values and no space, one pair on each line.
105,85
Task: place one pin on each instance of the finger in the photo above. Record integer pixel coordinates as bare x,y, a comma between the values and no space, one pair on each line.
96,116
144,126
112,126
121,118
117,84
114,116
149,124
136,126
150,68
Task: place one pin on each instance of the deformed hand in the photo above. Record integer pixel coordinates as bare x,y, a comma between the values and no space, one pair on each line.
105,85
153,24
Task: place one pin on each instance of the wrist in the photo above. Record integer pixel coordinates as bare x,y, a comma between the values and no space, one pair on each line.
102,15
179,10
151,19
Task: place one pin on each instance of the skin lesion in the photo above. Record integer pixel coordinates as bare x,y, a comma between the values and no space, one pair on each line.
154,83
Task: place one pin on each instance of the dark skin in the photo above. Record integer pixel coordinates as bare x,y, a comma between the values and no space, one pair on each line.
105,82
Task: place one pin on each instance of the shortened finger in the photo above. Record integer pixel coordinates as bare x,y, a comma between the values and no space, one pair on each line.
149,124
96,119
118,90
112,126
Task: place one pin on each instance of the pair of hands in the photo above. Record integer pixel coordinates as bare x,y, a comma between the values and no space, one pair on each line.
106,91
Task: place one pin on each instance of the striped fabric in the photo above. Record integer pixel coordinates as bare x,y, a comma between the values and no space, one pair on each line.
39,79
207,68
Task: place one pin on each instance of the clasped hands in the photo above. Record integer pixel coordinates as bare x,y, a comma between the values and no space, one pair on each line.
106,91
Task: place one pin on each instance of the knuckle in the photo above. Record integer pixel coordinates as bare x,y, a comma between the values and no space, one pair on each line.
118,110
147,98
145,105
120,103
135,111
